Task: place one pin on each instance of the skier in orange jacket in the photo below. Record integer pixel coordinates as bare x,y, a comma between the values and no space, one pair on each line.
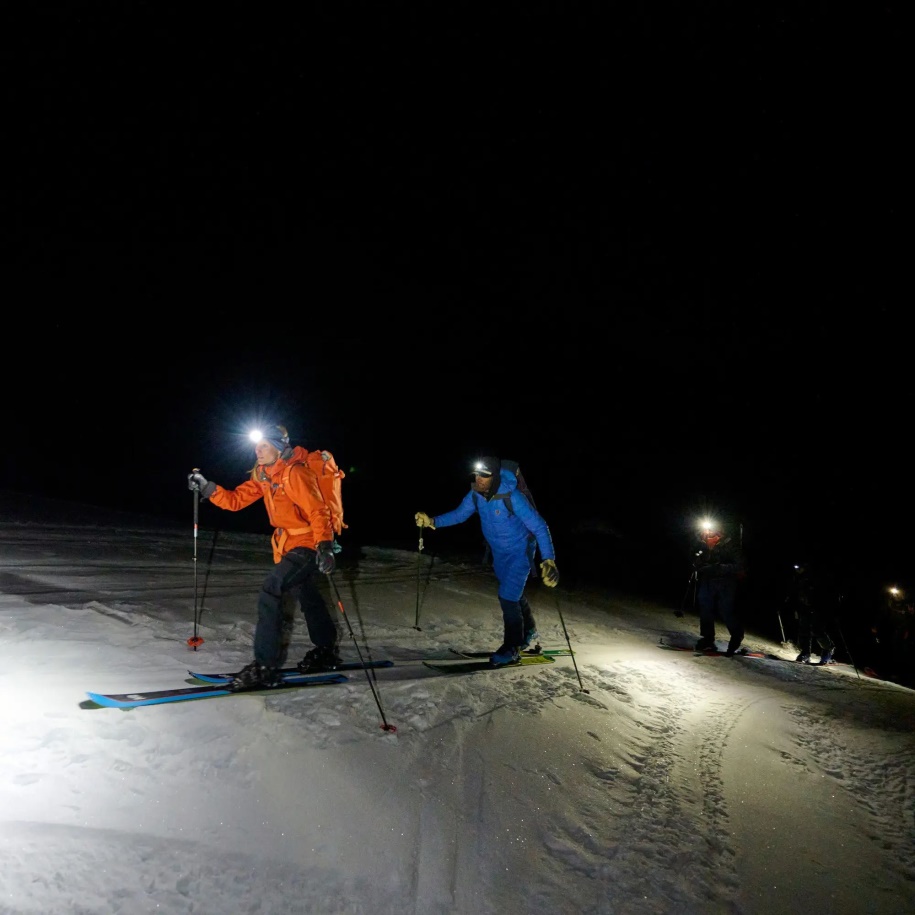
303,545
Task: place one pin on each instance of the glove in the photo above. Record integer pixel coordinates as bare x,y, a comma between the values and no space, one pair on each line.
423,520
325,560
549,573
198,481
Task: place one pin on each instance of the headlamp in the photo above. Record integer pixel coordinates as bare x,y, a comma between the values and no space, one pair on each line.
708,527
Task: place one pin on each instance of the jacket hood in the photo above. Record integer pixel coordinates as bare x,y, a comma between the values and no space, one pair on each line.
503,481
291,455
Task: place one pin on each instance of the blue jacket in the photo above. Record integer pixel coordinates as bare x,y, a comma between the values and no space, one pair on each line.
506,532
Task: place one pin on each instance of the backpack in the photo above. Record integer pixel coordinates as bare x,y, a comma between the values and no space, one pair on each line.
513,467
330,477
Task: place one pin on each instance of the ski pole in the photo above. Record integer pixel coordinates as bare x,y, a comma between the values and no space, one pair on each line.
689,584
572,653
845,644
384,726
418,572
195,641
780,626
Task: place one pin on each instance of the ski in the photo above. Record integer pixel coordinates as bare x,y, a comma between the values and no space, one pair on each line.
469,666
717,653
765,656
293,673
839,665
182,694
527,653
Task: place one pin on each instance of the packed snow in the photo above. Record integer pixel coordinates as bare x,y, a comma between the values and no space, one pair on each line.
623,778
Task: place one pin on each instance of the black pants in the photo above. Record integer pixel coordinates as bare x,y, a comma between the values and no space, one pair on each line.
296,573
718,597
810,629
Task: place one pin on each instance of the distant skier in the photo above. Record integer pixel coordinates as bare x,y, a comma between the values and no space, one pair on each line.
719,567
813,603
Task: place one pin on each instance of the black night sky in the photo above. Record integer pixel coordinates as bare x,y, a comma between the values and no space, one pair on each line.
655,255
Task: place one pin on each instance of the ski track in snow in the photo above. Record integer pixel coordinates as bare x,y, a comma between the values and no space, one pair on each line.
85,871
882,785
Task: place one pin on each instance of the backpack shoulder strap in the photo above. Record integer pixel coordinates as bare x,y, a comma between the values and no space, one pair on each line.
513,468
506,498
287,470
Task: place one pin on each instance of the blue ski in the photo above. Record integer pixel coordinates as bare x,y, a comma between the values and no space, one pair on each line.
182,694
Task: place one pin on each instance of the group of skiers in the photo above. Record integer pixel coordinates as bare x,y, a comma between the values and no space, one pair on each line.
812,600
719,566
304,547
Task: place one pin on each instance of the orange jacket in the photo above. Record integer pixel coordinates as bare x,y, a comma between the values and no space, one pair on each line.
296,508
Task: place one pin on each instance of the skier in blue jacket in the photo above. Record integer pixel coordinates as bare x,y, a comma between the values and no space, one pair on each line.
514,530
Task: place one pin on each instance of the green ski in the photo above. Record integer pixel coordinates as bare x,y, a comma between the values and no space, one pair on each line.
469,666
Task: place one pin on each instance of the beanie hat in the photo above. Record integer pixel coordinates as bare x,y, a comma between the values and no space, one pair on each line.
488,466
277,436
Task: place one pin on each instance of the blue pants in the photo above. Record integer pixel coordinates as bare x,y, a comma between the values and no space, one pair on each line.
513,568
517,619
296,572
717,597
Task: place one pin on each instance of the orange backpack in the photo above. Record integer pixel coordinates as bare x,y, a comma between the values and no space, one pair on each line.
329,477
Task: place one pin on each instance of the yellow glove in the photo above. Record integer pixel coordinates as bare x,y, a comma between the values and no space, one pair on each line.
423,520
549,573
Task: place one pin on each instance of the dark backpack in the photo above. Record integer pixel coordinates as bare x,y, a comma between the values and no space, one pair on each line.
514,468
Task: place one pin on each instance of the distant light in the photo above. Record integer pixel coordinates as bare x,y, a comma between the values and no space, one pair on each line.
894,591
